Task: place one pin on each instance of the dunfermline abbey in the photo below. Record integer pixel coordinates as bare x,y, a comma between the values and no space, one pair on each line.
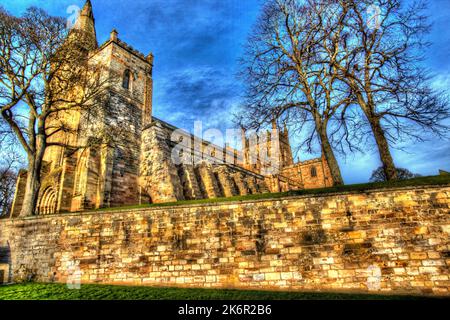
140,169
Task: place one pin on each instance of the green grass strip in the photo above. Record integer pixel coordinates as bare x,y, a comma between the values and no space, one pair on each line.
55,291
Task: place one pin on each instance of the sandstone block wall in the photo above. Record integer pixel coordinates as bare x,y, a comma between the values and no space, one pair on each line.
379,241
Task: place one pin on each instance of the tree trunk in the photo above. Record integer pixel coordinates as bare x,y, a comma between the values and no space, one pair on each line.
31,190
332,162
389,169
35,160
328,152
34,177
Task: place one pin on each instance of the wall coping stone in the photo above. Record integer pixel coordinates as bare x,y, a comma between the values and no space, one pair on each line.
215,204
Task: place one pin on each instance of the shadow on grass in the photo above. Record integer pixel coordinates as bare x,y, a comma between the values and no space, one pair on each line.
41,291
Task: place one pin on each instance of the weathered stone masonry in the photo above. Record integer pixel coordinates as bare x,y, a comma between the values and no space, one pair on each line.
163,180
334,242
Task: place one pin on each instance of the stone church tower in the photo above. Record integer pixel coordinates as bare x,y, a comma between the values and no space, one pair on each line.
108,175
123,155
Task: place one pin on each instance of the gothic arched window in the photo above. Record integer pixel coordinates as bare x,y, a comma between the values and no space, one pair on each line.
313,172
126,79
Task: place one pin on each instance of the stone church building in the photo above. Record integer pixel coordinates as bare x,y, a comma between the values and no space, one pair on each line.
139,168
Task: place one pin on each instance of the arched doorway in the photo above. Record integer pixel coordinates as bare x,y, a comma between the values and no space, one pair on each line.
47,203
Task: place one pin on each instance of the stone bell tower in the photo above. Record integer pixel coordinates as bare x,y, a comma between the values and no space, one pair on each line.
108,175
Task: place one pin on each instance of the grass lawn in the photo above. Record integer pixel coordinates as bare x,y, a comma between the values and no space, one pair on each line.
39,291
421,181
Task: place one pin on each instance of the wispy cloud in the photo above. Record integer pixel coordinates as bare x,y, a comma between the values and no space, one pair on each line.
204,94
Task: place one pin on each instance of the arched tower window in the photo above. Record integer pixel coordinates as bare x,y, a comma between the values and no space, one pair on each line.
126,79
313,172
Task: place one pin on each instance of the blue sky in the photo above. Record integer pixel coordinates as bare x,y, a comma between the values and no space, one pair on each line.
197,43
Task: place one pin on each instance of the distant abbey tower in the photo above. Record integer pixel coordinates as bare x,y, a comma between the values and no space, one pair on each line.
134,164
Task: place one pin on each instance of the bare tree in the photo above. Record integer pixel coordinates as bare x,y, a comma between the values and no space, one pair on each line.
7,184
378,175
9,167
352,68
10,161
45,76
286,75
379,56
